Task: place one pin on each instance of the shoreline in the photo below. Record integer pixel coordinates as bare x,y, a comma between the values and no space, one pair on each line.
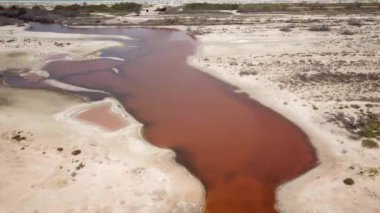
38,47
324,154
339,155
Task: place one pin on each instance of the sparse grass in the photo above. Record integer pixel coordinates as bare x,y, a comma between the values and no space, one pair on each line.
300,7
171,21
210,6
72,7
370,144
97,8
126,7
263,7
321,28
246,73
197,31
118,7
338,77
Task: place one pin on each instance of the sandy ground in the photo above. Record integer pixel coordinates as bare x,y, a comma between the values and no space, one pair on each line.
21,49
51,161
311,78
114,171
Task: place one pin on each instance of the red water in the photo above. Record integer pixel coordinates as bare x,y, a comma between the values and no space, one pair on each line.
103,116
238,148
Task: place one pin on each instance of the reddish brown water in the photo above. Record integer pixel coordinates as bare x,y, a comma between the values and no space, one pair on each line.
238,148
103,116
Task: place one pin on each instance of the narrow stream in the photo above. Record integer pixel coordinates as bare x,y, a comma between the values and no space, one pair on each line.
239,149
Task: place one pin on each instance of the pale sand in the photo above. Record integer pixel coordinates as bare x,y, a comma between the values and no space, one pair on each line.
69,87
31,50
121,173
270,57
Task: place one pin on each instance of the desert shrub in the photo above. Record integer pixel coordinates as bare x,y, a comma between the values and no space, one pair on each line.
352,6
322,28
348,181
371,129
118,7
13,11
370,19
270,7
247,73
126,7
354,22
76,152
366,126
40,14
355,106
347,32
71,7
165,21
316,6
210,6
197,31
97,8
262,7
285,29
370,144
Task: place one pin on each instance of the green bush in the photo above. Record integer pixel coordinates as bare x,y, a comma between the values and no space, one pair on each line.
371,128
370,144
97,8
118,7
126,7
72,7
